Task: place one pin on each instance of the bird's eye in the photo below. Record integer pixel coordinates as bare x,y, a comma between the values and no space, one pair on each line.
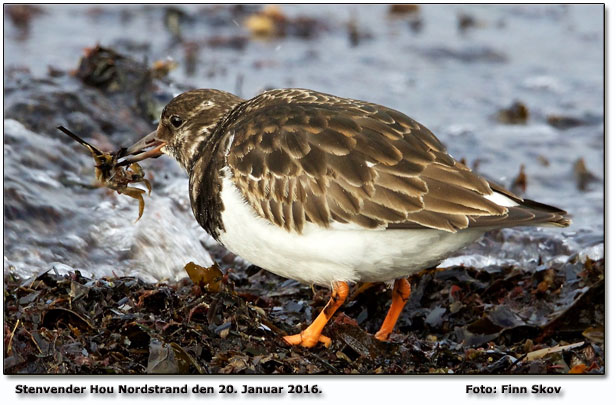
176,121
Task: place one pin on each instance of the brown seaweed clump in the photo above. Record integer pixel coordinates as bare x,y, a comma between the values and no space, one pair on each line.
460,320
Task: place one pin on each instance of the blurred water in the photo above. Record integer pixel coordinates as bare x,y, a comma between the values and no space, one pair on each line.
550,57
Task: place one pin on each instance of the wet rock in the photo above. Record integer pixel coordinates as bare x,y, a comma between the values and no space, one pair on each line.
466,22
517,114
162,68
22,14
173,19
543,160
416,23
472,54
564,122
402,9
518,186
118,75
237,42
271,22
354,34
583,177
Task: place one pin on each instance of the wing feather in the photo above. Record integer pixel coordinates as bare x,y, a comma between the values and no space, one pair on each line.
301,156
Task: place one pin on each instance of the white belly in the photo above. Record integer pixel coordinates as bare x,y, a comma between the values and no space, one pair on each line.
339,253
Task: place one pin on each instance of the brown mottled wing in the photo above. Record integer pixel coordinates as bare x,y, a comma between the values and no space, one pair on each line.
299,155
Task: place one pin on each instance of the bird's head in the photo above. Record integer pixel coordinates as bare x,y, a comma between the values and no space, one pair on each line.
185,124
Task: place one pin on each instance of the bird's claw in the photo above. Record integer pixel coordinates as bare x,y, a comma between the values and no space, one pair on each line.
307,340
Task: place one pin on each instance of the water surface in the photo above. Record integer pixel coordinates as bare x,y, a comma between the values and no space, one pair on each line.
549,57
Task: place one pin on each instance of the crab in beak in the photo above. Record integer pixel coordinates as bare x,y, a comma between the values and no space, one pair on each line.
147,147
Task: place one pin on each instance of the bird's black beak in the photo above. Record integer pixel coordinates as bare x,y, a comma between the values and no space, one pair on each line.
147,147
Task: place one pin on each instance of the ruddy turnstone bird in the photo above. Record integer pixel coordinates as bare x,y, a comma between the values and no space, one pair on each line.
328,190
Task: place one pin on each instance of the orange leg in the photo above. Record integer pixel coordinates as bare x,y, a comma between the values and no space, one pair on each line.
399,296
312,334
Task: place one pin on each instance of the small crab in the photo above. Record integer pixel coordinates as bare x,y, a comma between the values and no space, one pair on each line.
113,176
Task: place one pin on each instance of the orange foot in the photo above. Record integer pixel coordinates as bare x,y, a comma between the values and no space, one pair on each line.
310,336
399,296
302,339
382,336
